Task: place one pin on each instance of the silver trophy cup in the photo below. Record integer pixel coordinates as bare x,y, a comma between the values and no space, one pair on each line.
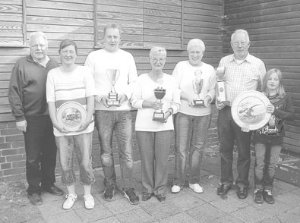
158,114
197,87
113,98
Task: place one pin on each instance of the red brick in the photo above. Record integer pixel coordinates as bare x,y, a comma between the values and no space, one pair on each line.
5,146
18,144
13,171
2,159
14,158
2,139
1,174
3,125
18,177
19,164
6,132
5,166
14,138
11,124
7,152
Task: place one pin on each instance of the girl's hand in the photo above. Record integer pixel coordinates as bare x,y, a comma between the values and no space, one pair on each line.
60,128
270,108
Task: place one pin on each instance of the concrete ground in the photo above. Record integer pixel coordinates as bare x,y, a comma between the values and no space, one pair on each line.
186,206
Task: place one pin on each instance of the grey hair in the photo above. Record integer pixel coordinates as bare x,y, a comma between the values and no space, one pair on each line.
112,26
240,31
34,35
196,42
158,50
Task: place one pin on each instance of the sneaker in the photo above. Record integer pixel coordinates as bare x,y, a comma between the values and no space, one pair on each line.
89,201
175,189
268,197
109,193
196,188
69,202
258,196
131,196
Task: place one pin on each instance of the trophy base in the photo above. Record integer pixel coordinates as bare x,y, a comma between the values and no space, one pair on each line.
198,103
113,102
159,116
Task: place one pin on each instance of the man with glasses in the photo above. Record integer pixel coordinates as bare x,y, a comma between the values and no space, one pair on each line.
242,72
27,97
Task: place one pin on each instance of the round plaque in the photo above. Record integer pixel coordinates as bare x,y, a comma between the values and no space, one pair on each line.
71,115
249,110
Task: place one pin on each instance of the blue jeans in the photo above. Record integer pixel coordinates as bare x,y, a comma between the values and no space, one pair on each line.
266,159
154,149
191,135
121,122
229,133
83,145
40,153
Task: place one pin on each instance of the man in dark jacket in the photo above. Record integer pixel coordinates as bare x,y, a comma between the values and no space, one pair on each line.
27,97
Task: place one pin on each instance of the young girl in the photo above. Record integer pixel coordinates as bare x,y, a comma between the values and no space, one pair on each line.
268,139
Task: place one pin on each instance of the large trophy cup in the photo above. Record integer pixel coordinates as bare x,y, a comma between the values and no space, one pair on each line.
221,90
197,87
158,114
113,98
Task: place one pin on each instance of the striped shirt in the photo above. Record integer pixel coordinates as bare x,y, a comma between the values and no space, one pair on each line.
242,75
74,86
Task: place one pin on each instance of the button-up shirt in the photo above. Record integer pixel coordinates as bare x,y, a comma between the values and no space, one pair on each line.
242,75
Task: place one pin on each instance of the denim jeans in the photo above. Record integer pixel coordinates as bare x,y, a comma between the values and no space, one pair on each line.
40,153
266,159
82,144
191,135
154,149
121,122
229,133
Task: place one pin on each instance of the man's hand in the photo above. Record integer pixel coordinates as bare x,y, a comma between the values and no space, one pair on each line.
104,101
122,98
207,101
83,126
22,125
60,128
220,105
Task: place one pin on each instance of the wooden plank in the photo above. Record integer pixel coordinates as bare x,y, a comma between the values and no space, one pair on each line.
167,14
56,28
129,3
60,5
118,9
59,21
17,9
158,6
59,13
11,17
119,16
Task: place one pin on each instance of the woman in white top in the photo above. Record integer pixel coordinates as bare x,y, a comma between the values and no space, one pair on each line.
154,123
196,81
73,83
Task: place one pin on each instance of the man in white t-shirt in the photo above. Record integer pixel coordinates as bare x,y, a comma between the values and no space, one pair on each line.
114,70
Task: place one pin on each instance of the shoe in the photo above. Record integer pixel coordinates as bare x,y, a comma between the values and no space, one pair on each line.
223,189
69,202
268,197
160,197
89,202
109,193
175,189
131,196
196,188
54,190
242,192
258,196
35,199
146,196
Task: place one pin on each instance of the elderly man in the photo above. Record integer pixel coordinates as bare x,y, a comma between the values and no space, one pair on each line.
114,70
243,72
196,81
27,97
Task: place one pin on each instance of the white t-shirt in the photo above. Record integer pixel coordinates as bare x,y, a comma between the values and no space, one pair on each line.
184,73
102,60
74,86
144,90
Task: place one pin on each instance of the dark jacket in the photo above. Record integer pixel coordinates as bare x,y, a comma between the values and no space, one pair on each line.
283,111
27,88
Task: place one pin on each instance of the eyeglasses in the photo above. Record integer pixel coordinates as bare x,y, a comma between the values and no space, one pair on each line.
240,44
41,46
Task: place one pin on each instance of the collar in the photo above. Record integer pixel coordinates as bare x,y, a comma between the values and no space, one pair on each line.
30,59
249,58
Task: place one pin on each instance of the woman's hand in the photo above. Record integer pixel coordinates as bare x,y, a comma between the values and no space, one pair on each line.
270,108
60,128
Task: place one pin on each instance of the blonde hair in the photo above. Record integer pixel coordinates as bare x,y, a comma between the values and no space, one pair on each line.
280,90
196,42
158,50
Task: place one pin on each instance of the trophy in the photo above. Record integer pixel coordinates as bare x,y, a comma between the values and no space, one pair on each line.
158,114
197,87
113,98
221,91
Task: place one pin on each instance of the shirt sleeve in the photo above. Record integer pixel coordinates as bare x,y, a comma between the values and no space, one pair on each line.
50,87
15,93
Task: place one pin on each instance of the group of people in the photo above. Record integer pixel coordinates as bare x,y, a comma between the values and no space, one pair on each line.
108,88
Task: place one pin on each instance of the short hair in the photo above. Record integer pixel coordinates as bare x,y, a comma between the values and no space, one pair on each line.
65,43
240,31
34,35
158,50
281,91
112,26
196,42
